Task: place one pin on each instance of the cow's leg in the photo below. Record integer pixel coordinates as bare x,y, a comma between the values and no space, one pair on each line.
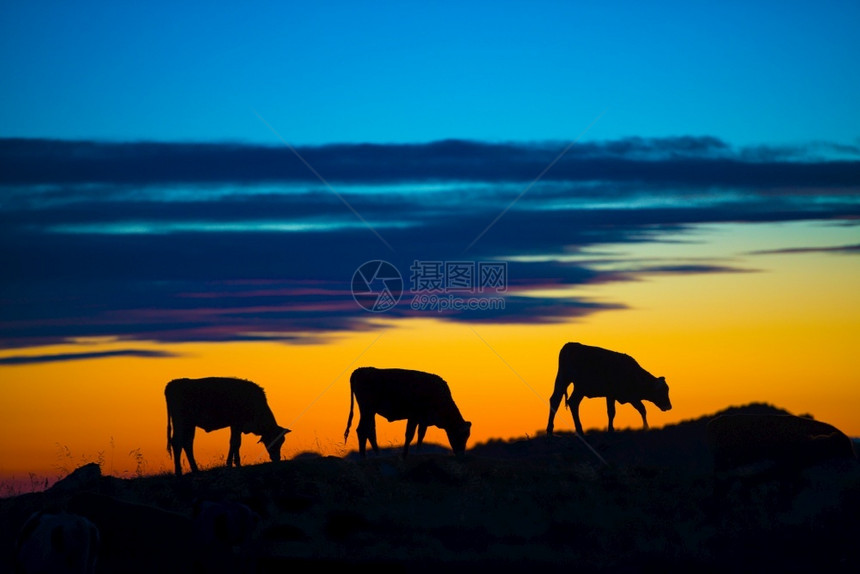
366,431
610,411
573,404
361,432
372,437
422,430
188,445
411,425
641,408
235,443
177,443
554,401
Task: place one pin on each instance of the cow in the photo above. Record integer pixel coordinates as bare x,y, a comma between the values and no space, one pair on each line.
773,441
423,399
61,543
214,403
598,372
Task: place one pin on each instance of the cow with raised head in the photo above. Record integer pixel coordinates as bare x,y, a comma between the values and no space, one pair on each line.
598,372
61,543
423,399
214,403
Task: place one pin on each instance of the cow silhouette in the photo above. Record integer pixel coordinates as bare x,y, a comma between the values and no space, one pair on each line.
598,372
214,403
423,399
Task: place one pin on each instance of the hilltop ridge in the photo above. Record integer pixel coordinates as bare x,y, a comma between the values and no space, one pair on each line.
639,498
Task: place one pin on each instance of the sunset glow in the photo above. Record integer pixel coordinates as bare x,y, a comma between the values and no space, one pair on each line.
720,340
180,221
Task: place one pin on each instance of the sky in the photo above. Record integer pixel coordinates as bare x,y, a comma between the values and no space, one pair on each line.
203,189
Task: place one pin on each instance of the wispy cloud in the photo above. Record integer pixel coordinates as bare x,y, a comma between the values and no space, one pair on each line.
59,357
847,249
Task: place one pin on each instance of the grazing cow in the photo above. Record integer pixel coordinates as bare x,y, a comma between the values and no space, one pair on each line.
61,543
423,399
214,403
774,442
597,372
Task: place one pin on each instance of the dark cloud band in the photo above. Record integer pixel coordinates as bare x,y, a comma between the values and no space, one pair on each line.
60,357
188,242
676,161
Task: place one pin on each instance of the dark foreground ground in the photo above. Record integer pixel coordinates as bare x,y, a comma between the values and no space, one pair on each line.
538,504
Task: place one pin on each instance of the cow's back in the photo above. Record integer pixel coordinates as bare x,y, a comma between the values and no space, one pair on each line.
213,403
595,371
398,394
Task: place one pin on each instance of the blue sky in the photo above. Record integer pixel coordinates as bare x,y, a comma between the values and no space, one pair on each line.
392,72
173,211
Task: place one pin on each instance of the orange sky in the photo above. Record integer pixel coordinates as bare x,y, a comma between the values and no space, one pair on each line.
787,332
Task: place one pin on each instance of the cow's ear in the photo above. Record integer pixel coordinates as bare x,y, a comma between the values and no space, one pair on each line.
661,379
285,431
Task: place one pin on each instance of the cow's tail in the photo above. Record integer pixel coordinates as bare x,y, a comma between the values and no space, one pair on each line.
349,420
561,381
562,376
169,433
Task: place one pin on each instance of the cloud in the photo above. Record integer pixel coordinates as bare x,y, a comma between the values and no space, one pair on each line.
517,309
685,269
58,357
692,161
225,242
259,286
847,249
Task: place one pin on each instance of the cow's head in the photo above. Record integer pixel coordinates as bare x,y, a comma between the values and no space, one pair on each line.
660,394
458,435
274,442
